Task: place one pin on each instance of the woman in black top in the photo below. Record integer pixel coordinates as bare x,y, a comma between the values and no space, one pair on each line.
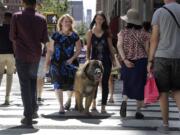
99,47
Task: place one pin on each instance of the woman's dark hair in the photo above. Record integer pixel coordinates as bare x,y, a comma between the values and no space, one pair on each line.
105,26
147,26
130,26
30,2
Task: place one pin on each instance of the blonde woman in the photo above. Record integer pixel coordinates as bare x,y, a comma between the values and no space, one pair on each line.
63,62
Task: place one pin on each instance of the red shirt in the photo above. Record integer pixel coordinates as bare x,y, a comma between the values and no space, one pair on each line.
28,30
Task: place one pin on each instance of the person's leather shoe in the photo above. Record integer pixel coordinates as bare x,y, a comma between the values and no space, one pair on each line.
123,109
35,115
27,122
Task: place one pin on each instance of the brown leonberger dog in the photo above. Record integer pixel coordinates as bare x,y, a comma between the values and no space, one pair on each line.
86,82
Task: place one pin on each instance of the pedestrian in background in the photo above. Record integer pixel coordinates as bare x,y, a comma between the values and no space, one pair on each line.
41,75
82,56
7,61
63,60
133,43
28,32
99,47
164,56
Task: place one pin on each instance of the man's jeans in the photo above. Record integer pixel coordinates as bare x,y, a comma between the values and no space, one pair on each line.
27,73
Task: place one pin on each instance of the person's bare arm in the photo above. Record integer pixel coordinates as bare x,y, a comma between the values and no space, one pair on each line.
147,46
13,31
153,46
88,38
76,54
111,48
128,63
50,51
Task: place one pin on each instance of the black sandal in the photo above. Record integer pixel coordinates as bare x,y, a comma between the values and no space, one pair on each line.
123,109
139,115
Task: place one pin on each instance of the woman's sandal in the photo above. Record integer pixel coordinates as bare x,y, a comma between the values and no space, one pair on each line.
123,109
111,101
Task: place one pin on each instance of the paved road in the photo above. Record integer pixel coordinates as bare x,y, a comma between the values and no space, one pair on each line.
50,122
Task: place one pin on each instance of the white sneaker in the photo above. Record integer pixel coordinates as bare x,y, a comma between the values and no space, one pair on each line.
163,129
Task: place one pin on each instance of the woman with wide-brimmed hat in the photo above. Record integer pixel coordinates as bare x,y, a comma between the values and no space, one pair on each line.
132,45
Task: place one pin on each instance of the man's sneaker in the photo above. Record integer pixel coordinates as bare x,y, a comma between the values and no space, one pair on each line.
163,129
123,109
139,115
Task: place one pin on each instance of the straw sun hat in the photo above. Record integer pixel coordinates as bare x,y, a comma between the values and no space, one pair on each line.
132,16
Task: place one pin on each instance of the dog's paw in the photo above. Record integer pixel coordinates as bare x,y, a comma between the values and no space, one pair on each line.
81,110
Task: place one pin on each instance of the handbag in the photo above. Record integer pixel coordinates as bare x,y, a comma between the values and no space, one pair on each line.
151,93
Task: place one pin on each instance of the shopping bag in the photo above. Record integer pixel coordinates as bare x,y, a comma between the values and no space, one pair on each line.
151,93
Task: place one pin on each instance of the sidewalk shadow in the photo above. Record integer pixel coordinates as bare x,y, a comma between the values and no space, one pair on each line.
18,130
6,105
94,118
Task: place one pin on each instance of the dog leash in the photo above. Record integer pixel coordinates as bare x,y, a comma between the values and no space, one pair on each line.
72,66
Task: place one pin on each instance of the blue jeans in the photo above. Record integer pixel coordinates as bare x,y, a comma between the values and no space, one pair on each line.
27,73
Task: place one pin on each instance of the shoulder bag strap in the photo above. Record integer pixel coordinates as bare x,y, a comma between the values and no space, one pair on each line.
172,16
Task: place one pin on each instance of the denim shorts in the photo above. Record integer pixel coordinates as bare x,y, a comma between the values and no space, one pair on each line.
167,74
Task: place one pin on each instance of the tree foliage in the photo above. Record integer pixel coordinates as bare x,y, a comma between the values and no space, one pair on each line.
81,30
58,7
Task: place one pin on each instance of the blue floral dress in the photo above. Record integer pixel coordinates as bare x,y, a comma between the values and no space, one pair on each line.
62,75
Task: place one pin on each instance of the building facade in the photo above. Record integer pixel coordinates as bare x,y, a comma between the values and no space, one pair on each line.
76,10
12,5
88,16
2,10
113,9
